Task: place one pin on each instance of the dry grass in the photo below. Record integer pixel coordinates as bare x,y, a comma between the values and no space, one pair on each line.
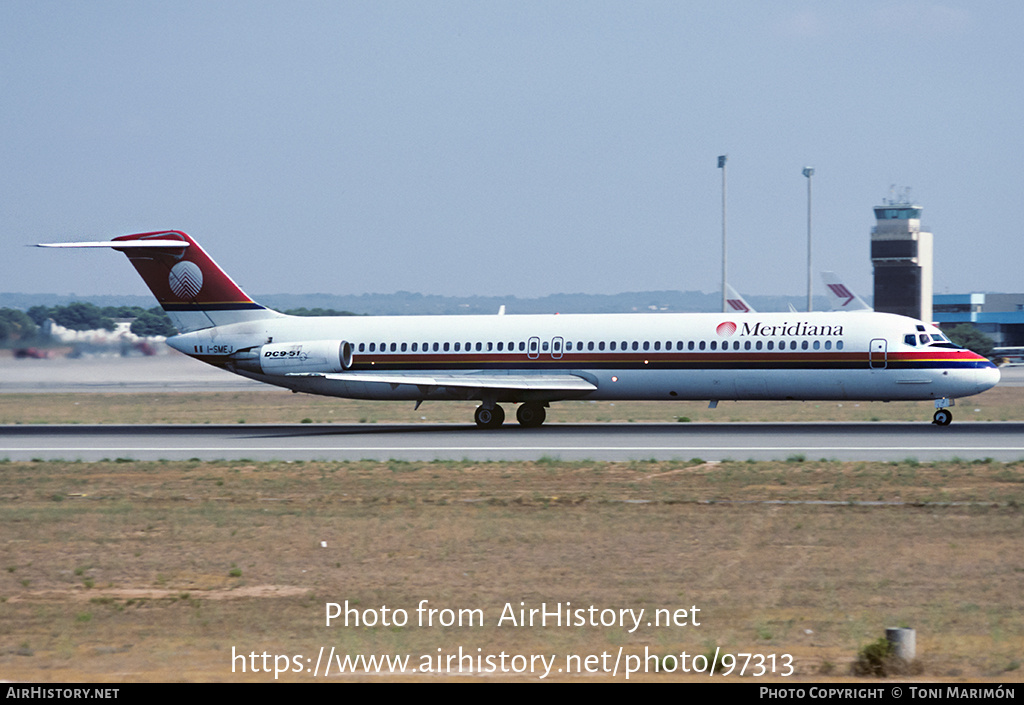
275,406
154,571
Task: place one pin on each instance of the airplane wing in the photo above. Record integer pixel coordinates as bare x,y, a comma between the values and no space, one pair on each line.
569,384
841,297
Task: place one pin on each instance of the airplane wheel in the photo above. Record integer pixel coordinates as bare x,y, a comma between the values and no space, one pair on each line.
530,415
942,417
489,418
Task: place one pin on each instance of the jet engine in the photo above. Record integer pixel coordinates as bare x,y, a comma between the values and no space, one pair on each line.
305,356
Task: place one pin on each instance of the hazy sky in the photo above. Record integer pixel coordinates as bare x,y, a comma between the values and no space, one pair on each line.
520,148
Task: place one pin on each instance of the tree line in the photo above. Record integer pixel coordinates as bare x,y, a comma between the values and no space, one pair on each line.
18,325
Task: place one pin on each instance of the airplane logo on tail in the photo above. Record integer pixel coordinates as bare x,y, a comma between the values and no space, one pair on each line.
842,292
185,280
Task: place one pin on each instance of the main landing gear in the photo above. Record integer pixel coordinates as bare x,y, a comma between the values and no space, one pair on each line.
492,417
529,415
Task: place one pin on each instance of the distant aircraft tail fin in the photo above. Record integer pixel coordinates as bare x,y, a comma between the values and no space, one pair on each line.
840,296
191,288
736,301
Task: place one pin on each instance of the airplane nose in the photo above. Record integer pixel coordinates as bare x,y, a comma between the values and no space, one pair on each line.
987,377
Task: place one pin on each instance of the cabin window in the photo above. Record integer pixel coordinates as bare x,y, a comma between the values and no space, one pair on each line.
839,345
362,347
611,346
828,344
600,346
636,345
758,345
447,346
404,347
792,345
771,344
657,345
702,345
714,345
590,345
501,346
803,345
817,344
479,347
647,345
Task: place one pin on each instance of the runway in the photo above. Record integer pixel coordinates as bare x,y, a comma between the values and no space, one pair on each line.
611,442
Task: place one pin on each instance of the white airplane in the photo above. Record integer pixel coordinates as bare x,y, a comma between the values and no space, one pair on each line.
533,360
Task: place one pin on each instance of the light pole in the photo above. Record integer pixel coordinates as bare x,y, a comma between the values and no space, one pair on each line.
809,172
721,165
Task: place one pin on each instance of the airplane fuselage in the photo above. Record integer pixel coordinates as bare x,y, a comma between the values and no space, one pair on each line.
707,356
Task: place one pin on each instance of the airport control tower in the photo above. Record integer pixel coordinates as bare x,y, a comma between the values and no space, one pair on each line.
902,257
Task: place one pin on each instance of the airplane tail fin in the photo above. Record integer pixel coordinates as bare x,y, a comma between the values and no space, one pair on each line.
191,288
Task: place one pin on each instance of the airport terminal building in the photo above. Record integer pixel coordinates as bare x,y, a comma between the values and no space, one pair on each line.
999,316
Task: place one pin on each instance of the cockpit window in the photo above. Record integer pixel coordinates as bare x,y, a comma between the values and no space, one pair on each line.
941,341
910,339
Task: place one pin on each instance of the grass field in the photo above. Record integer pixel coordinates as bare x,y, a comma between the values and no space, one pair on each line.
126,571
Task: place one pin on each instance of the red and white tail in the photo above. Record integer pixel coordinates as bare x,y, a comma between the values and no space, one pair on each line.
190,287
840,296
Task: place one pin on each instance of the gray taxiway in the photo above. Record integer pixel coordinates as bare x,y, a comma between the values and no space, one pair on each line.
1003,441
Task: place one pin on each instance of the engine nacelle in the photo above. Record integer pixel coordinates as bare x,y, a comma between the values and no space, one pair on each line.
305,356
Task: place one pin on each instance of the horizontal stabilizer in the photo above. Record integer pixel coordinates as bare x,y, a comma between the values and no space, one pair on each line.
137,244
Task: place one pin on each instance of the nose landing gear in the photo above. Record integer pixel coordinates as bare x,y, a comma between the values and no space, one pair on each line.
943,416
